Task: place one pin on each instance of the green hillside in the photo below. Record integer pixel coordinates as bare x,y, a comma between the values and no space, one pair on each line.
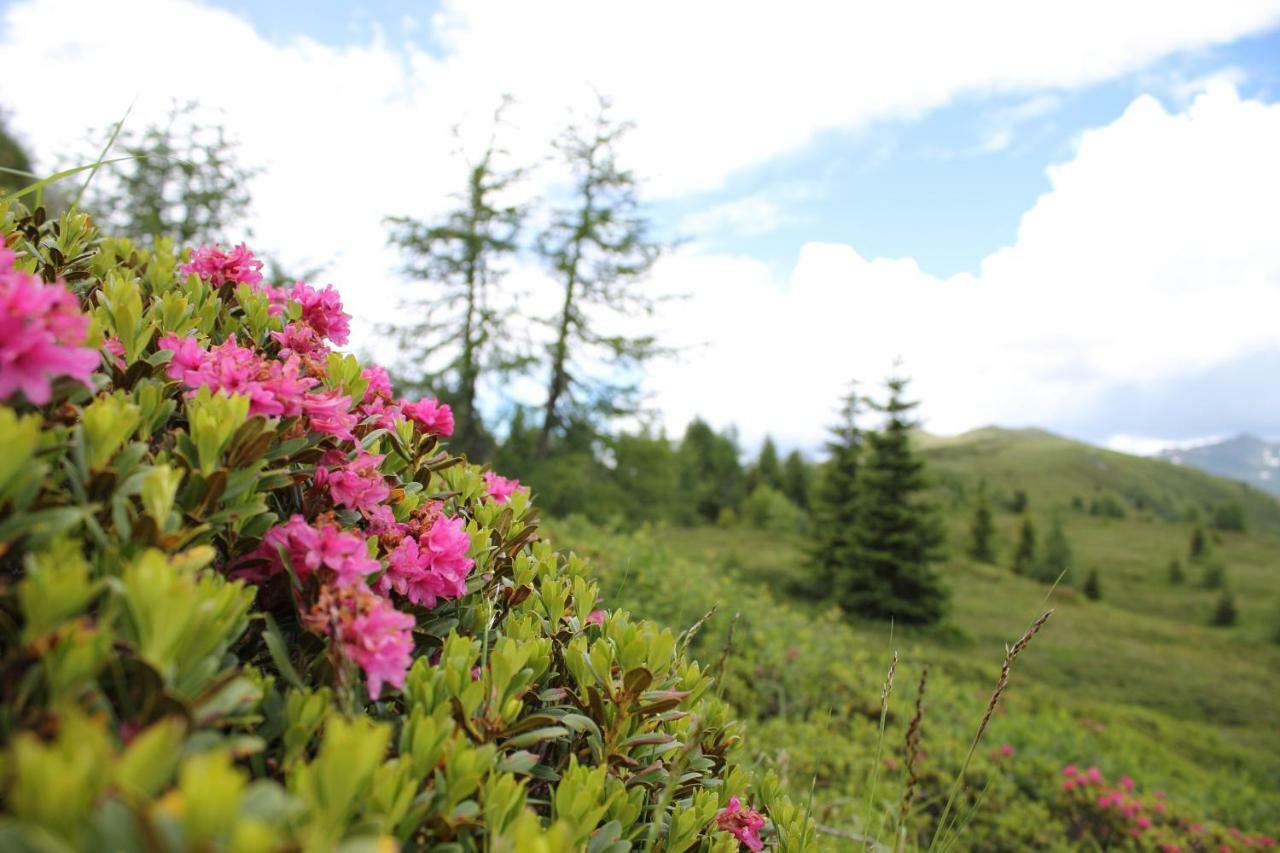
1137,683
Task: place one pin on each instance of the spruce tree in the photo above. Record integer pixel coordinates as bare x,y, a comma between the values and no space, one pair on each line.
1199,544
1225,613
834,551
457,333
797,479
982,529
768,469
711,475
1215,576
1092,586
1176,575
1024,554
599,250
1055,562
897,535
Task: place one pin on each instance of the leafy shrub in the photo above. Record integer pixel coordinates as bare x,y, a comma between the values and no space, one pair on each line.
768,509
1117,817
251,603
1229,517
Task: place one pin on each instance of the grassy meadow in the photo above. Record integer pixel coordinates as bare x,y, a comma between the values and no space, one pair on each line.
1137,683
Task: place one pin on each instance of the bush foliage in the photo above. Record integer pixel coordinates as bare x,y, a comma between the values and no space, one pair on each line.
251,603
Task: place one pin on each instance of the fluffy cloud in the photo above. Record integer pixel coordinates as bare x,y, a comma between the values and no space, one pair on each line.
1153,257
1136,264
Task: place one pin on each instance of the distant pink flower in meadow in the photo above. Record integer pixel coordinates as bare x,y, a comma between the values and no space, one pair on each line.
1094,774
42,333
499,488
1126,782
743,824
1006,749
434,417
219,267
1070,770
595,617
1144,822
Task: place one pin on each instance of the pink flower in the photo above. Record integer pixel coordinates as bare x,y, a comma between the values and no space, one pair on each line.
116,347
218,267
499,488
356,483
1006,749
310,549
1069,771
42,334
369,631
595,617
432,567
330,413
379,383
1126,782
742,824
1094,774
322,311
299,339
1144,822
434,417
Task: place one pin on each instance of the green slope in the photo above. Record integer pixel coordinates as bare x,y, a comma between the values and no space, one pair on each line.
1137,683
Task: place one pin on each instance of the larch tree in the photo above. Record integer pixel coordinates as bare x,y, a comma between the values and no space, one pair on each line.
459,331
599,249
182,179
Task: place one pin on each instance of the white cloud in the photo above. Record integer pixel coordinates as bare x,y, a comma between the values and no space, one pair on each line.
1136,264
1152,257
748,217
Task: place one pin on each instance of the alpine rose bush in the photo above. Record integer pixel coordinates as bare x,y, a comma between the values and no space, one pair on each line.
253,603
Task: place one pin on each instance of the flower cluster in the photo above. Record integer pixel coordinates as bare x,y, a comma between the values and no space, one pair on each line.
499,488
219,267
1108,812
430,566
42,333
743,824
370,631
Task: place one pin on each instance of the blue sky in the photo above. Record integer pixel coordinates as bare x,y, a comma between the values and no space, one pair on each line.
1055,214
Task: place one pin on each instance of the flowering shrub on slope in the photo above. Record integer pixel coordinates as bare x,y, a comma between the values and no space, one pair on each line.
250,602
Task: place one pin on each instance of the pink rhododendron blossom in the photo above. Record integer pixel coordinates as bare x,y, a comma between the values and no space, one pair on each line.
311,548
330,413
1005,749
355,483
432,566
1070,770
1126,782
116,347
322,311
595,617
742,824
299,339
368,630
42,333
219,267
499,488
434,417
379,383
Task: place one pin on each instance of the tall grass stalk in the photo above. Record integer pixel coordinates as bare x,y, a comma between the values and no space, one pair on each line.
885,693
1010,655
913,765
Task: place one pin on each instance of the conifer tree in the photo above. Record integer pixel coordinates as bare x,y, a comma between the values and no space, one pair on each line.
797,478
768,469
599,250
1215,575
711,475
182,179
458,333
1199,544
1092,586
1055,562
1024,555
834,550
1225,613
897,535
982,529
1176,575
15,163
